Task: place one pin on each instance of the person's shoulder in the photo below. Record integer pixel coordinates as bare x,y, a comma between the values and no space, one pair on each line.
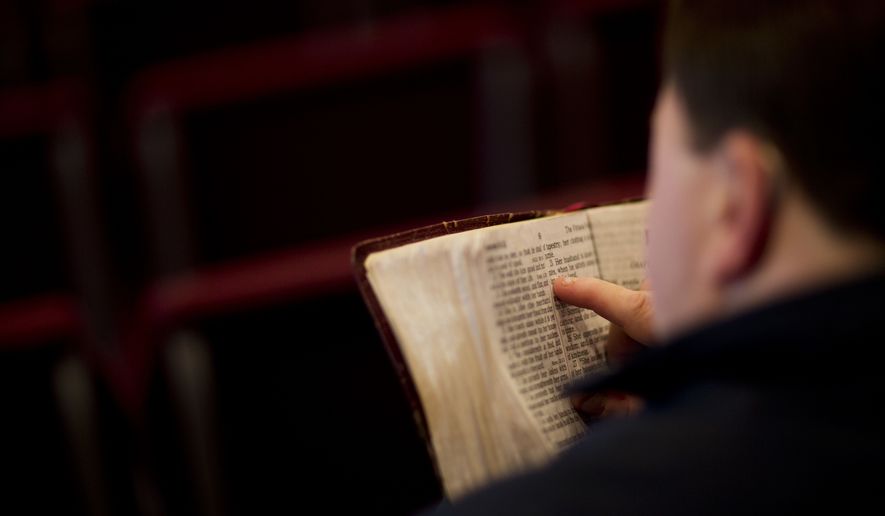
718,448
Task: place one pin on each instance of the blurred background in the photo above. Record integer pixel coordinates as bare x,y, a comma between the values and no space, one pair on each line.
180,332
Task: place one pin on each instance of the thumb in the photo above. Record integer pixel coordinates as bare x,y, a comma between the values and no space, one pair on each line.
629,309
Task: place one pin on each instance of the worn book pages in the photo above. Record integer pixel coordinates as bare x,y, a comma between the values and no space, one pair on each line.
488,346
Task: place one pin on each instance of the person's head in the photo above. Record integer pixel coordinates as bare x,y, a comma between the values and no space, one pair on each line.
767,153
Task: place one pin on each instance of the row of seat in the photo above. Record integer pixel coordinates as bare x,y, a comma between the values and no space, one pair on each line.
191,342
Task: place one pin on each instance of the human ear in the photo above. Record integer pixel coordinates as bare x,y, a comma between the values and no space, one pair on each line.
746,171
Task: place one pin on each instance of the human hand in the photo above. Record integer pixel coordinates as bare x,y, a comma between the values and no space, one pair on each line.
630,314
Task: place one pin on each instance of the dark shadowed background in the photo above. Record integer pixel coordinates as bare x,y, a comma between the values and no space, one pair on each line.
181,185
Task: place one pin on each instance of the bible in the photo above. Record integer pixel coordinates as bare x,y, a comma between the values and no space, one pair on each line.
481,344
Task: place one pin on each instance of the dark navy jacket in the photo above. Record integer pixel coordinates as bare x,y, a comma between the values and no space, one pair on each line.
776,411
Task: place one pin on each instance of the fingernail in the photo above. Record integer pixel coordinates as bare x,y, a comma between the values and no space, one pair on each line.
567,280
593,406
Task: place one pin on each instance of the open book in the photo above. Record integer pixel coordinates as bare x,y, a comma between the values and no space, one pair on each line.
469,317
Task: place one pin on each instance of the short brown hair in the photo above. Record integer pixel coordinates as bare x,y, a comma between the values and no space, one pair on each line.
806,75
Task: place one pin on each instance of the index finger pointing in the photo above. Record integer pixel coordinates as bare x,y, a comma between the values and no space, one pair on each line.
629,309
